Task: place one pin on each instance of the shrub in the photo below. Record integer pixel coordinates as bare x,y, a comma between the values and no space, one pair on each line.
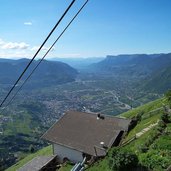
168,97
154,160
135,120
31,148
121,159
143,148
165,116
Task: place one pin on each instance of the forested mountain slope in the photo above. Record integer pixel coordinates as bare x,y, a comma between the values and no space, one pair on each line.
46,74
152,72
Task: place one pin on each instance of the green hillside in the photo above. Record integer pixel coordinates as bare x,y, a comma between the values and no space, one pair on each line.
160,82
148,142
43,152
152,142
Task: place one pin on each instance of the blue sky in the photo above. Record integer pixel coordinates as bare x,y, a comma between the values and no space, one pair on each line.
107,27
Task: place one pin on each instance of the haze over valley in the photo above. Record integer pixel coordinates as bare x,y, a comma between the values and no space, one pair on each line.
103,66
111,86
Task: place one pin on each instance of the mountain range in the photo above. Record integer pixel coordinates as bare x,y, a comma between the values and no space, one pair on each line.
47,73
154,70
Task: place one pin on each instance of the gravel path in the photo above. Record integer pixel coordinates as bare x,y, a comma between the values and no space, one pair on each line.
146,129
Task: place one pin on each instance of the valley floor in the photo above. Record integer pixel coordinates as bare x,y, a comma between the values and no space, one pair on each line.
35,110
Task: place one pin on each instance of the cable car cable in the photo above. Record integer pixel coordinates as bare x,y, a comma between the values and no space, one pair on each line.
37,52
47,53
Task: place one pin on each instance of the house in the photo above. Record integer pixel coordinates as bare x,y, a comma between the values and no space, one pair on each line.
77,135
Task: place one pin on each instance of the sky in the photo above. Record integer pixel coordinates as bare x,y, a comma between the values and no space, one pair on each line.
105,27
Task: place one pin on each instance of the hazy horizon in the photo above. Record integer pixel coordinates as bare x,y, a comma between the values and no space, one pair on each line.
112,27
51,58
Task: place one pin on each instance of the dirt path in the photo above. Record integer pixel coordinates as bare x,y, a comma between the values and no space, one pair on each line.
139,134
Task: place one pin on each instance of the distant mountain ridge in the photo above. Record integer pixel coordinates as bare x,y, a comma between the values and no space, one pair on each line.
133,62
47,74
152,72
154,69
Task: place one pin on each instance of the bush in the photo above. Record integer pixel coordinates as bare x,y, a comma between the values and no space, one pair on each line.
168,97
135,120
121,159
143,148
165,116
31,148
161,126
154,160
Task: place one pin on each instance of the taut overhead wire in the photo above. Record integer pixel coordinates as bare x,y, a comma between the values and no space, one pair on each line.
47,52
37,52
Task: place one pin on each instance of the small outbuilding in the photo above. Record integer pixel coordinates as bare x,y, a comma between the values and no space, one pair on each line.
77,135
40,163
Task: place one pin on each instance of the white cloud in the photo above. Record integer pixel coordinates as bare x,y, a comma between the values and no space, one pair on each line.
13,49
28,23
17,50
14,45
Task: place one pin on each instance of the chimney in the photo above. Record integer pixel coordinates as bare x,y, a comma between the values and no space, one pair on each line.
99,116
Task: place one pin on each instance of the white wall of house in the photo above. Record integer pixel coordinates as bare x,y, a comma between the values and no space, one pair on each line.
65,152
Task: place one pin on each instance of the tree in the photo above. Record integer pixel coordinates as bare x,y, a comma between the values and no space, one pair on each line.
121,159
154,160
165,117
1,164
31,148
168,97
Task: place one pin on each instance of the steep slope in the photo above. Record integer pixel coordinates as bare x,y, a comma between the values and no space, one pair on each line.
153,152
159,82
136,64
149,140
152,73
43,152
124,64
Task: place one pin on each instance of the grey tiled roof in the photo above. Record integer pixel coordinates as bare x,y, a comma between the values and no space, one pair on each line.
84,131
